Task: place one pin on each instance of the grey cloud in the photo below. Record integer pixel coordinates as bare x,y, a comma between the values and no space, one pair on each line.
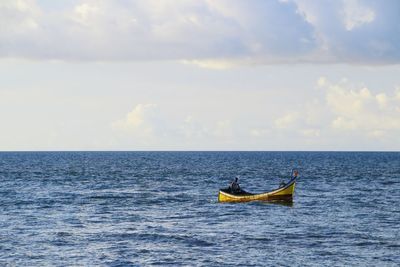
374,37
244,31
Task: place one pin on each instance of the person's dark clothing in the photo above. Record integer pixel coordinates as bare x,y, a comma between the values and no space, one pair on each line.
234,186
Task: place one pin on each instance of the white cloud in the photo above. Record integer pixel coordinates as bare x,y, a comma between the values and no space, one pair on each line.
213,34
139,121
147,125
344,124
192,130
344,101
322,81
19,16
85,13
382,99
345,111
362,110
356,15
213,64
287,121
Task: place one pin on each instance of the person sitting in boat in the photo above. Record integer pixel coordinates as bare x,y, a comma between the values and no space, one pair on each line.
234,187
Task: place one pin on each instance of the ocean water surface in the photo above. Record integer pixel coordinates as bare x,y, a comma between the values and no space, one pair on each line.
160,208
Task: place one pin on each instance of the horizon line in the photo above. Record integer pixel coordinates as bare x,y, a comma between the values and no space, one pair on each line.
111,151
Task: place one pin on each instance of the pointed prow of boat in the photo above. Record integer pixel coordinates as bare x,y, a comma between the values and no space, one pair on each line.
284,193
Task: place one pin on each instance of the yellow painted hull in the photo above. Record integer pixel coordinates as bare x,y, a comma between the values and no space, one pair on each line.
282,194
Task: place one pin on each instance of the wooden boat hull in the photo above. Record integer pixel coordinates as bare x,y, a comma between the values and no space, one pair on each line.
281,194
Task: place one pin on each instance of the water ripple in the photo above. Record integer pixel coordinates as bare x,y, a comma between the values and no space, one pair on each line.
160,208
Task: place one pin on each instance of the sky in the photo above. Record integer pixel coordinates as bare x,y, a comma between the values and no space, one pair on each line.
200,75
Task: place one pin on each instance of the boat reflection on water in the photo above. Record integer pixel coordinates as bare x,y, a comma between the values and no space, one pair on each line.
281,203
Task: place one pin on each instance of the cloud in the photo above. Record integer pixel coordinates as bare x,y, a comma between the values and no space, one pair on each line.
301,123
341,123
344,111
259,133
287,121
356,15
220,64
321,81
358,32
148,125
359,109
382,100
190,129
138,122
19,17
212,34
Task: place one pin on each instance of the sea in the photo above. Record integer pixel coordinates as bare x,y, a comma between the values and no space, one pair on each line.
161,209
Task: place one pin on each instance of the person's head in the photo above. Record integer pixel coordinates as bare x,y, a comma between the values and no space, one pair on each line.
295,173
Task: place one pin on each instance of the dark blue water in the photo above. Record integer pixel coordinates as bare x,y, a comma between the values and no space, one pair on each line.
160,208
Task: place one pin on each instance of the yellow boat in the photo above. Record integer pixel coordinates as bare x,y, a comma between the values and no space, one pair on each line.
284,193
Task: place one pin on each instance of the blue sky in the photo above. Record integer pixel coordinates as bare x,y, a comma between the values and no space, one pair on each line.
199,75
